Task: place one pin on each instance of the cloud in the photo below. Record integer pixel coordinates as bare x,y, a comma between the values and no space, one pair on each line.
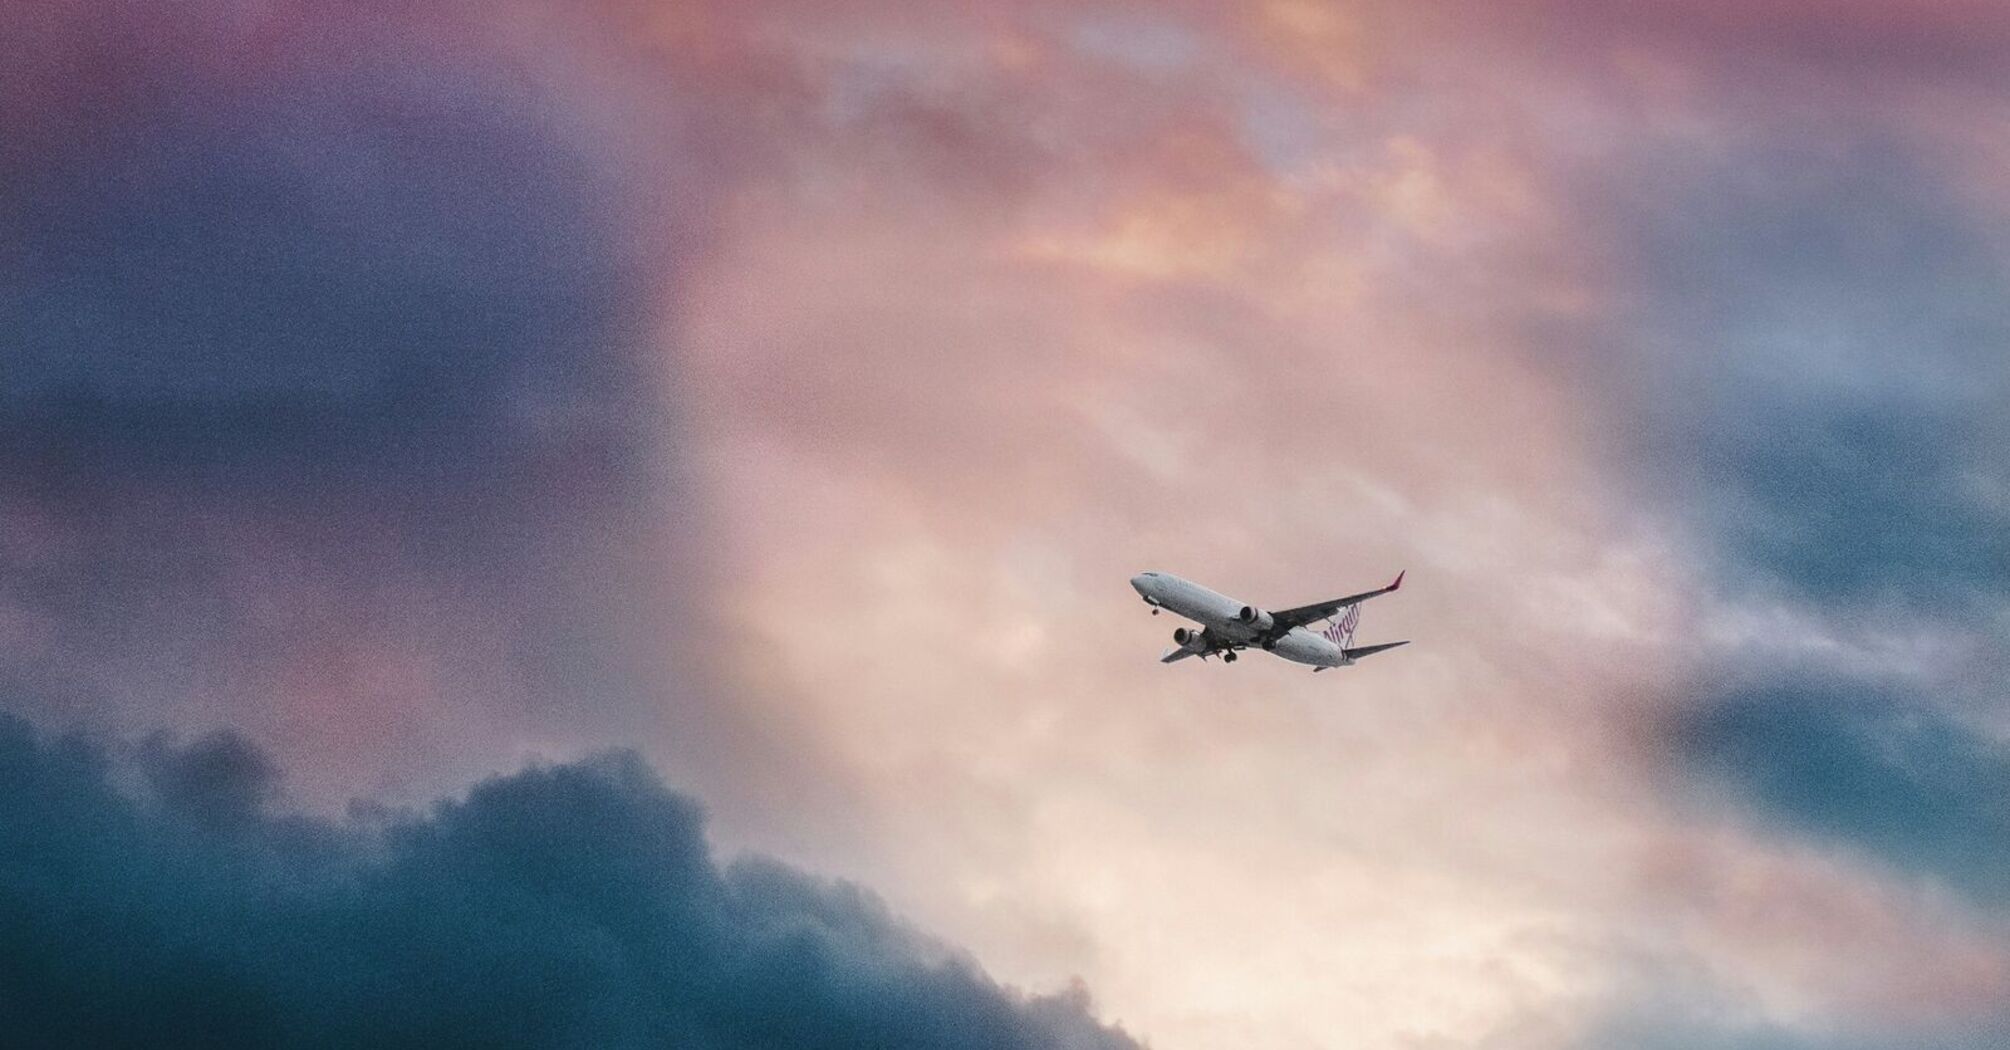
1957,41
1851,762
1875,501
1169,347
1810,334
391,230
336,409
362,360
1690,1026
569,905
1646,1031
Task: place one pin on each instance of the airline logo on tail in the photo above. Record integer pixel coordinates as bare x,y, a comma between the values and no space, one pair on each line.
1341,632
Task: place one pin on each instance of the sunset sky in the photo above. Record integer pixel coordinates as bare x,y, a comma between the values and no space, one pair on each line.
661,428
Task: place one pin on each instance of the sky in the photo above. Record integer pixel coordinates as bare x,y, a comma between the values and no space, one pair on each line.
609,522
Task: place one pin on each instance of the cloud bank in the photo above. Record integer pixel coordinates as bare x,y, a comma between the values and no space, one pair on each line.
148,898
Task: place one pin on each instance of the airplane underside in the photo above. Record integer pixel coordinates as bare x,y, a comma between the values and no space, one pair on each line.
1228,628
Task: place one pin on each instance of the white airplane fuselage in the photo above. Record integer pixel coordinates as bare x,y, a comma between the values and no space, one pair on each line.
1223,618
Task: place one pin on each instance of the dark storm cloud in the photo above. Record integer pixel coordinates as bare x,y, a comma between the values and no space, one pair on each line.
571,906
1866,766
220,780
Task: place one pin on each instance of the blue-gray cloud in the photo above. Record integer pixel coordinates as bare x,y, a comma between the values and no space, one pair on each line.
1681,1029
1817,323
339,315
1809,358
1820,325
565,906
302,209
1865,766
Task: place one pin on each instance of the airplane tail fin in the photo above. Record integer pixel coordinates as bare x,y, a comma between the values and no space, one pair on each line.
1370,650
1341,631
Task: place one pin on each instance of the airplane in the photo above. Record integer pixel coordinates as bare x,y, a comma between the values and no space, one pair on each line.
1228,626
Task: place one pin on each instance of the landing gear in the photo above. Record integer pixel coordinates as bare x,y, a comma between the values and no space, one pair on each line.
1155,610
1228,657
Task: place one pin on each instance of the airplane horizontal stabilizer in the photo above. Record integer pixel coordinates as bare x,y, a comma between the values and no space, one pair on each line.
1370,650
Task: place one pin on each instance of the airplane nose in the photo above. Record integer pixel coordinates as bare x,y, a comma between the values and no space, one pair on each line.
1138,583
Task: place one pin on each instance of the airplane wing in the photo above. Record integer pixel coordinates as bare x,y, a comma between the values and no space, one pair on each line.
1370,650
1178,652
1305,614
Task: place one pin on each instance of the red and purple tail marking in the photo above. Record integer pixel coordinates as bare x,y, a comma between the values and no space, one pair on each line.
1341,633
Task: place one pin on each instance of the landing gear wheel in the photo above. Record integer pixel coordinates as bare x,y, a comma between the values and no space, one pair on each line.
1228,657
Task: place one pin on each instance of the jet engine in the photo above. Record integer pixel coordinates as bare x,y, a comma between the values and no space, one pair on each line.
1183,635
1255,618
